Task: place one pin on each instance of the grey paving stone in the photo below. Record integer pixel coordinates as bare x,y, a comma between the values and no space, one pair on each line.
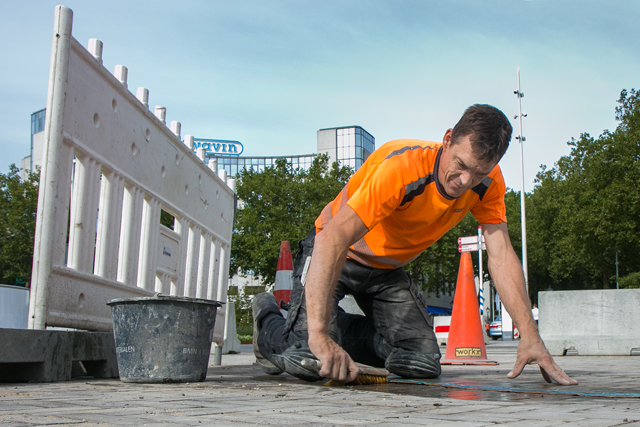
618,409
233,395
528,423
598,423
39,420
430,422
426,422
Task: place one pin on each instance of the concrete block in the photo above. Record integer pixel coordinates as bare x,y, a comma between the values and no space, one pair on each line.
48,356
231,343
14,307
591,322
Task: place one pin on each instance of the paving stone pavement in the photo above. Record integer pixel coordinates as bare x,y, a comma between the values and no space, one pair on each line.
238,393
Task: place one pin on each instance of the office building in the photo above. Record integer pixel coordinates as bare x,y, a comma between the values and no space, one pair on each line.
36,149
349,145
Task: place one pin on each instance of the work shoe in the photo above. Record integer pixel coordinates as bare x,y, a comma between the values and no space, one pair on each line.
263,304
291,361
413,364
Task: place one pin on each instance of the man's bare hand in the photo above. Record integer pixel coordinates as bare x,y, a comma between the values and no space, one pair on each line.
533,351
336,363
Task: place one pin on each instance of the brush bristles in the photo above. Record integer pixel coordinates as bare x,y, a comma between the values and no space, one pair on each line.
362,379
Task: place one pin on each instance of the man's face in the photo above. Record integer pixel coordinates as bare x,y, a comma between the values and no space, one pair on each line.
460,169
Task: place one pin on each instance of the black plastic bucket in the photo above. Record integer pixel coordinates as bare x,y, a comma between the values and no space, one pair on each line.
163,339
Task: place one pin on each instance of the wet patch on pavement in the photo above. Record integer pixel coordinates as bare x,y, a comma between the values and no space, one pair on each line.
529,387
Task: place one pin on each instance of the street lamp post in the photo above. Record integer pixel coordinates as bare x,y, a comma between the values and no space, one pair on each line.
522,139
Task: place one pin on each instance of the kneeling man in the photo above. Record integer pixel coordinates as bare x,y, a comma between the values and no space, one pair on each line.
406,196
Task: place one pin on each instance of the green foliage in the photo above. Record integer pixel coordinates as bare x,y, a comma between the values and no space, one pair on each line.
630,281
512,203
586,208
18,204
279,203
167,219
245,337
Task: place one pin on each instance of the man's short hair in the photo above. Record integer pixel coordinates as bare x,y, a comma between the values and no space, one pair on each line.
488,129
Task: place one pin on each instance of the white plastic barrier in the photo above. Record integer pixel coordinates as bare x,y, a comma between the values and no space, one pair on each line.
441,328
111,167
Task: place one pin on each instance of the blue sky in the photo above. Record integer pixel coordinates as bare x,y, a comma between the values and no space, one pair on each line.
271,73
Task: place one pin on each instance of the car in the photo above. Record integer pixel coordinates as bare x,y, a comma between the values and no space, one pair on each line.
494,329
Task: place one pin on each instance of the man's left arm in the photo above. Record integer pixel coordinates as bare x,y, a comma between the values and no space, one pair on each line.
506,271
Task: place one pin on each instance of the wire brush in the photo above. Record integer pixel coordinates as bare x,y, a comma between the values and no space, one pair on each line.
367,375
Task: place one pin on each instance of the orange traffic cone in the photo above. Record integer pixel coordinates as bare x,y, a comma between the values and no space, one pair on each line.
465,345
284,275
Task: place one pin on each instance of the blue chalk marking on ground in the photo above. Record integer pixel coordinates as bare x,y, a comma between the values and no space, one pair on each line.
567,392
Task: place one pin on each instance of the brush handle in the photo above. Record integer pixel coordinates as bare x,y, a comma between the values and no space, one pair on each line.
315,364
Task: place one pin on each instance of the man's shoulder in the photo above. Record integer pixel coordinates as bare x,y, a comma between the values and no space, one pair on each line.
497,178
409,143
399,148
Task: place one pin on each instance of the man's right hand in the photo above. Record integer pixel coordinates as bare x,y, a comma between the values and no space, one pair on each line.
329,254
336,363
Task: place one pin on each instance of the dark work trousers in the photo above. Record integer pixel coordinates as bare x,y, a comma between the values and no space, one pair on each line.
394,313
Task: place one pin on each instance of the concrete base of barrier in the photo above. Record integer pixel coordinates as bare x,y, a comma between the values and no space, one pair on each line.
49,356
591,322
231,343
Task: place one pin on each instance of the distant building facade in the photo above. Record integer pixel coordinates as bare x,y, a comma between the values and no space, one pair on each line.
349,145
36,149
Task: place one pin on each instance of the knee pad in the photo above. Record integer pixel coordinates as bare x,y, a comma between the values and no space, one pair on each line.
263,305
290,361
413,364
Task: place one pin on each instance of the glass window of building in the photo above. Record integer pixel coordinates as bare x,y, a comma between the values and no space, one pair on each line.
352,146
234,165
37,121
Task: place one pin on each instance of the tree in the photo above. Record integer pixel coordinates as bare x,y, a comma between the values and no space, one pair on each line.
276,204
585,209
630,281
18,204
514,219
537,275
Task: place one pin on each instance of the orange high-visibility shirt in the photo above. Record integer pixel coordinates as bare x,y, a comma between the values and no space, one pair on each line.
397,196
